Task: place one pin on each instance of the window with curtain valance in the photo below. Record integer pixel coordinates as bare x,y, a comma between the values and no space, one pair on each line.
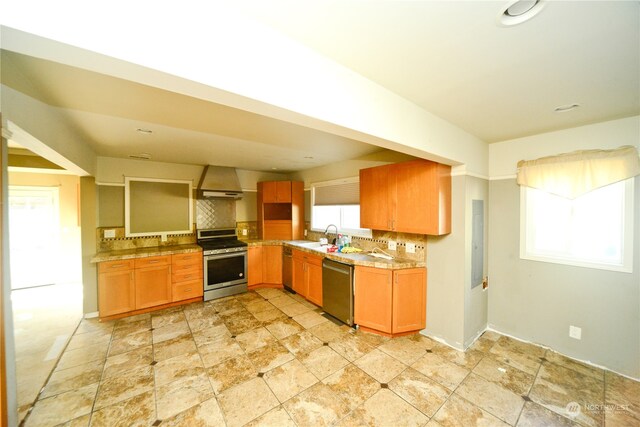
577,208
573,174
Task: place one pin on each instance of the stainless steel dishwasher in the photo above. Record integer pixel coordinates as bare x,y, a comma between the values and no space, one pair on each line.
337,290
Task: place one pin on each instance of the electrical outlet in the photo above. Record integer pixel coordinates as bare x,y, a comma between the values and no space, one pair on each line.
411,248
391,245
163,237
109,234
575,332
244,231
305,233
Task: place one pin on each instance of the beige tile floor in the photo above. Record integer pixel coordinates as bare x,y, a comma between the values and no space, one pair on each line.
44,319
267,358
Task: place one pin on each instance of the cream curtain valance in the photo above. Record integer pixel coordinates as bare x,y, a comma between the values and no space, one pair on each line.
573,174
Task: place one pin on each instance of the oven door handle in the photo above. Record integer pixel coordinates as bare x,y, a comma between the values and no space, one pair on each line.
226,255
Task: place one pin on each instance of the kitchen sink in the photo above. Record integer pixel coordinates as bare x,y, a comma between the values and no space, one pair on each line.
316,246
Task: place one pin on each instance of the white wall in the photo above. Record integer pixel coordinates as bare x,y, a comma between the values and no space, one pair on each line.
446,279
504,156
537,301
44,130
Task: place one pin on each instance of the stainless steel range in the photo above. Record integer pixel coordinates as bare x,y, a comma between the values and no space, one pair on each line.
225,262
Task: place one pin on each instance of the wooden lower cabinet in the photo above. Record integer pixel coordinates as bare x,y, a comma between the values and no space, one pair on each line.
186,276
314,279
140,284
254,265
116,288
272,265
307,276
264,266
391,302
153,281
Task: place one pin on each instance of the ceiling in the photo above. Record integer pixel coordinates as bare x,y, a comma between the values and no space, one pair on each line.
448,57
451,58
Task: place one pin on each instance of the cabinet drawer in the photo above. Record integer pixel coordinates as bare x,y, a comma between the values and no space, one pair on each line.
153,261
121,265
192,258
186,268
186,276
186,290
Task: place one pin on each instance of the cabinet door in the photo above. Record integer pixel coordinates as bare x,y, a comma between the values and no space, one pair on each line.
283,191
409,300
277,230
375,198
272,264
269,192
314,279
153,286
423,197
254,265
373,297
299,283
116,292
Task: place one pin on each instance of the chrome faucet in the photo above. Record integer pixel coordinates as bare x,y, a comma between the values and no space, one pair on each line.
326,230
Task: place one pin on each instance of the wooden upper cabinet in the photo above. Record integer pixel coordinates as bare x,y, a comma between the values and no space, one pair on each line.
374,198
280,210
409,197
276,192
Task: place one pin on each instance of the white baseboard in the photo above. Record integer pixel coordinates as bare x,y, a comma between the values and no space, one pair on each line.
91,315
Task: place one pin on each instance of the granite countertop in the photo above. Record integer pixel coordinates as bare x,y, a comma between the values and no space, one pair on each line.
145,252
360,258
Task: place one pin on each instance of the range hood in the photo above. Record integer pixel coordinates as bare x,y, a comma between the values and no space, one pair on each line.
219,182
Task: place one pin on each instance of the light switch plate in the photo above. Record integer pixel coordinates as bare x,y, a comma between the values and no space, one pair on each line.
411,248
391,245
109,234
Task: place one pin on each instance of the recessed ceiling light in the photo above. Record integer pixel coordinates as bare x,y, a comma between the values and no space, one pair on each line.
140,156
565,108
518,11
275,169
308,157
144,131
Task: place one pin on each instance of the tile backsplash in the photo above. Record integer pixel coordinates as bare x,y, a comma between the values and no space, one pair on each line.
120,242
380,240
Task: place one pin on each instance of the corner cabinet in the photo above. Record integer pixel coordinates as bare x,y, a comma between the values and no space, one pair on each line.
409,197
280,210
390,302
264,266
